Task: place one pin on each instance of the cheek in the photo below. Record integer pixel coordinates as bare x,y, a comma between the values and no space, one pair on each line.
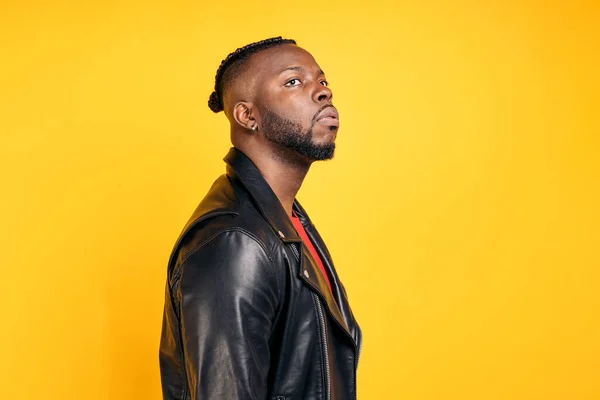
293,105
299,112
294,111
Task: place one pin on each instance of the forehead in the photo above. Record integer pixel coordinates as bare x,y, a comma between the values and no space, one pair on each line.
271,62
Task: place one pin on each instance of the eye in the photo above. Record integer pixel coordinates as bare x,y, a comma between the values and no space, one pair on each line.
324,83
293,82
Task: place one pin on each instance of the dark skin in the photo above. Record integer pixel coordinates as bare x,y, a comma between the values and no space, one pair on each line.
287,80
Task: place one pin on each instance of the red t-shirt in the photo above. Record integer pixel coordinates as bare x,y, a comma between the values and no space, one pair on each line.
311,248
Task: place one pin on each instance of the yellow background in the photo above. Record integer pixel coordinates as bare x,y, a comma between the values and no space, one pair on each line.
461,208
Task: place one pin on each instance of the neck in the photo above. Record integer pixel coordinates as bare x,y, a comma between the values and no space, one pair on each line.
283,174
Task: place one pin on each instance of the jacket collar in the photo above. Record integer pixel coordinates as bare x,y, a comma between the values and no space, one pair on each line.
240,166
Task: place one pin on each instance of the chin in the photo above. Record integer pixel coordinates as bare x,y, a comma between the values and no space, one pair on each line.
322,152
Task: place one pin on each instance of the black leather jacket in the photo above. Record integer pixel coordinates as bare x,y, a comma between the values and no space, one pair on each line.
248,314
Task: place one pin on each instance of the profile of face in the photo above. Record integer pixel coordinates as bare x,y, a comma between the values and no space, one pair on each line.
293,103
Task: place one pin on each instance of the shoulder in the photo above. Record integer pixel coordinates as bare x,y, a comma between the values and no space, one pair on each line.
235,230
222,238
227,255
225,223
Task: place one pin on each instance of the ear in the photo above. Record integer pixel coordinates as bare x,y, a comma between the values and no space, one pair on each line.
243,115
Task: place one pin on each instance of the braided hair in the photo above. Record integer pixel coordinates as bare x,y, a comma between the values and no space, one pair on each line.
232,64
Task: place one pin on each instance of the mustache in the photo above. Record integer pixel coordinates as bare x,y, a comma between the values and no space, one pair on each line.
319,112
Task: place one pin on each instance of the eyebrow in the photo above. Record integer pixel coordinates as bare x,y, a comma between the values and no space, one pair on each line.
299,69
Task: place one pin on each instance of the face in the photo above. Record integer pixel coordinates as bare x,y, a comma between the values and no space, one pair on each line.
294,109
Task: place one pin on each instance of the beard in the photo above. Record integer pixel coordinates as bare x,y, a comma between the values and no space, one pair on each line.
289,135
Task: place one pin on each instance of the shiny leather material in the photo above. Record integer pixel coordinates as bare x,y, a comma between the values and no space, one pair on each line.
243,294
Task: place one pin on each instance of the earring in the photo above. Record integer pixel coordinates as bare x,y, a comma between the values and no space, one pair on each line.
254,127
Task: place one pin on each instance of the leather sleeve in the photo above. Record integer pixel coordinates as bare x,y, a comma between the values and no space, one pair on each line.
228,296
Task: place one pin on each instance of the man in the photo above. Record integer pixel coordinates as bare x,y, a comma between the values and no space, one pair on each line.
254,308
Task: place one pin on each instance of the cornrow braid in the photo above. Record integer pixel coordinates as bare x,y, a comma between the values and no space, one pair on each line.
215,101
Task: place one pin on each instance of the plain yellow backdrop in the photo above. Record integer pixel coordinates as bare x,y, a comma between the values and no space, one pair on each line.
461,208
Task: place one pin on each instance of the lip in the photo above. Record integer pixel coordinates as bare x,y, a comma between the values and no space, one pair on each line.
328,116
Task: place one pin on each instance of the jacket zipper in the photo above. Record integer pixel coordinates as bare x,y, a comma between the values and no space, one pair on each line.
325,347
322,332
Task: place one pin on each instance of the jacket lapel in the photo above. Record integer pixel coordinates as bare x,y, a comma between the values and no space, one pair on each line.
311,275
337,301
240,166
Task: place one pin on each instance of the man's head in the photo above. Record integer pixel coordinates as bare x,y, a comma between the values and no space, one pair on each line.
276,98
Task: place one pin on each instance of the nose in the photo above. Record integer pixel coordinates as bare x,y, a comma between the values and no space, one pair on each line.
322,94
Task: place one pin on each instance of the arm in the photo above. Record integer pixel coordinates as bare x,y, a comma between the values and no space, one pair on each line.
228,296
